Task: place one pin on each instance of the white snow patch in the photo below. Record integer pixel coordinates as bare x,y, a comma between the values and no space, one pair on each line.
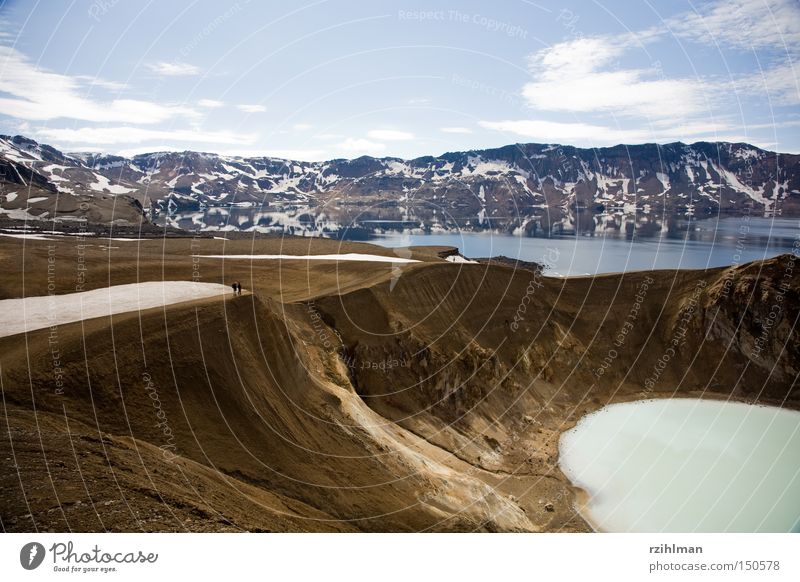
476,165
104,183
460,259
129,239
13,151
664,179
30,313
18,214
689,172
231,169
25,235
52,176
734,183
334,257
744,154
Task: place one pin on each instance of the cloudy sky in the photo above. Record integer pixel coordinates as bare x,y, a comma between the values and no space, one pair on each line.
332,78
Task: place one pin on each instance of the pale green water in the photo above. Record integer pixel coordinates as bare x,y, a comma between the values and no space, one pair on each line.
686,465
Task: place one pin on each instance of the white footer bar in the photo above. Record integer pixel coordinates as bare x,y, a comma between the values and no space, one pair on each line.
401,557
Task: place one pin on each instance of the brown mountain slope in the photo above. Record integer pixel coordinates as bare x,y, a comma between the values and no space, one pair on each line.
365,396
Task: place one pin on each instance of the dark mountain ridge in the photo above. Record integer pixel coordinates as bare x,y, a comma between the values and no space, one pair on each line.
503,188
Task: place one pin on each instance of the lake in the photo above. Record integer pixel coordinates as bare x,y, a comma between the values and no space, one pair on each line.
702,244
568,244
687,465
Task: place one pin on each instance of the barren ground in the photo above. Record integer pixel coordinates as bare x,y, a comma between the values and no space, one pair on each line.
352,396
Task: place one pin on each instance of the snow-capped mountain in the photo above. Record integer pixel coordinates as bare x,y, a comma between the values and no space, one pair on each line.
500,188
39,182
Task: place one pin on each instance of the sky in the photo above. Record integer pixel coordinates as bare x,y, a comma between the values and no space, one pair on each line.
323,79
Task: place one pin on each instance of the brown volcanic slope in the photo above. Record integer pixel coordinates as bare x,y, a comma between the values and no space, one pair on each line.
358,396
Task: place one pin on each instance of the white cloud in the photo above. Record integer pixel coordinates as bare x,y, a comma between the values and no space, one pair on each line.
577,76
576,57
555,132
779,85
743,24
35,94
210,103
588,134
130,152
251,108
174,69
97,82
127,135
302,126
456,130
285,154
361,146
582,76
390,135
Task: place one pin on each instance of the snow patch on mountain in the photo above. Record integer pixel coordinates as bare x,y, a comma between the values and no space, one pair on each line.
104,184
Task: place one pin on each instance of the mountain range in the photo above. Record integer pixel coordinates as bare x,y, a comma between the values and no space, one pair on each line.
509,188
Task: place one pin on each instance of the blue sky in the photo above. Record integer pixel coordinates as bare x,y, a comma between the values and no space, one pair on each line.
324,79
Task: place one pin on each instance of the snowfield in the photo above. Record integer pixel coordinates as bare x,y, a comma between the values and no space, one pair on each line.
31,313
25,235
342,257
104,184
460,259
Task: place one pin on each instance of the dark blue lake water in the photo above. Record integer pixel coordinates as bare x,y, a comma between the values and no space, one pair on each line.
703,244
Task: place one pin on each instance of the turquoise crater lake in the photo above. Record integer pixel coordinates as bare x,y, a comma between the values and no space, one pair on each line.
686,465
